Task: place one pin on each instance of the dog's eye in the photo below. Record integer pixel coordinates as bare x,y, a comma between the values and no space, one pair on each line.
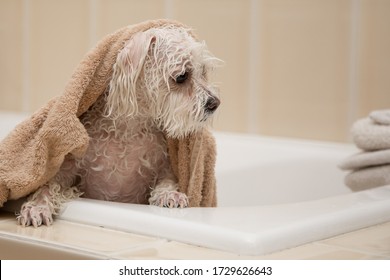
182,78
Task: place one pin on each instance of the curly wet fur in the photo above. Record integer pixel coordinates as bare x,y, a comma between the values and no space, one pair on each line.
127,158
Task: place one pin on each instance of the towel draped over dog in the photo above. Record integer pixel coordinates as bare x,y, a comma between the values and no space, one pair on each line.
35,150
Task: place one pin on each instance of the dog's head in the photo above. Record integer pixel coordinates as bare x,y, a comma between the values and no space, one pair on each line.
162,74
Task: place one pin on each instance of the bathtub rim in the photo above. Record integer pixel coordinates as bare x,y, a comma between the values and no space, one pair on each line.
366,208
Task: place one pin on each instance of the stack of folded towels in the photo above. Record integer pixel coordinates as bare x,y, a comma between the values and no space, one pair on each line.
371,167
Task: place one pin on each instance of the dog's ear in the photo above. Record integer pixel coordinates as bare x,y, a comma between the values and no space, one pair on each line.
122,99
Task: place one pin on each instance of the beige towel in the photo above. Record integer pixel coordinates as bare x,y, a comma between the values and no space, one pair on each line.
34,151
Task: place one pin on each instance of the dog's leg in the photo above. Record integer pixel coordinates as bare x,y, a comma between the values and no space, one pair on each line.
166,194
48,199
36,210
44,203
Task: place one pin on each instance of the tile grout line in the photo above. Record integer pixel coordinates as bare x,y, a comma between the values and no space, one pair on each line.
169,9
26,85
53,245
252,119
354,249
137,248
92,24
351,249
353,65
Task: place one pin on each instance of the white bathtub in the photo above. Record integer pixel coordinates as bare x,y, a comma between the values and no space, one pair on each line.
273,194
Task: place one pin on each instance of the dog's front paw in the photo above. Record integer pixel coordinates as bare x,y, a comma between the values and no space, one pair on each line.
35,215
168,198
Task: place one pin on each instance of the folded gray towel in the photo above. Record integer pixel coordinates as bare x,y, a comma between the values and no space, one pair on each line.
380,117
369,135
368,178
366,159
371,167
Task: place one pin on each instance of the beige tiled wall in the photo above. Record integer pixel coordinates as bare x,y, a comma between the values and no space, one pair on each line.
297,68
304,62
374,70
11,54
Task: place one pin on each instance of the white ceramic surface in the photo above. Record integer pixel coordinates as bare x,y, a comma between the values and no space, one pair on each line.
273,194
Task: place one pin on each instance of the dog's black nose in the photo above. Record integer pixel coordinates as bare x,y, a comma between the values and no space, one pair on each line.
212,104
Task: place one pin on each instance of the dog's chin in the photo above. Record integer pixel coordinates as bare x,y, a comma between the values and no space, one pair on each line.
186,129
181,133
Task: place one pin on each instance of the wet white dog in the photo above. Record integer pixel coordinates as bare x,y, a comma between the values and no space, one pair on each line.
159,87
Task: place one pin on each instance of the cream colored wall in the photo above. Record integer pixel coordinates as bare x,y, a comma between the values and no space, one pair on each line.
297,68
